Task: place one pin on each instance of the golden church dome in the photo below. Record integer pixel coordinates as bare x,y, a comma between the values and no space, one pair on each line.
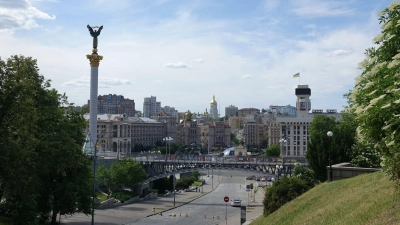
213,102
188,115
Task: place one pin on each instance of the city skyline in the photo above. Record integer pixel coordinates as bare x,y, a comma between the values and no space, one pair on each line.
245,53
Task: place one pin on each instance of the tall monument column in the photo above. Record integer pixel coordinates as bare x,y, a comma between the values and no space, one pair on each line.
94,59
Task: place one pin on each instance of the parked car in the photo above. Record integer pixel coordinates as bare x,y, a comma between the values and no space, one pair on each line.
257,179
263,179
236,202
269,179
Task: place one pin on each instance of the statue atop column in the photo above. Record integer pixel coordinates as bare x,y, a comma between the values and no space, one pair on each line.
94,34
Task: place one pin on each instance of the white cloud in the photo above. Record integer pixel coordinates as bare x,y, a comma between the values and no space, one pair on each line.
20,14
246,76
104,82
339,52
178,65
321,9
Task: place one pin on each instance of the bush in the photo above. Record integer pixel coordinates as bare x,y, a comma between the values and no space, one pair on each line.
185,182
306,174
123,195
153,190
282,191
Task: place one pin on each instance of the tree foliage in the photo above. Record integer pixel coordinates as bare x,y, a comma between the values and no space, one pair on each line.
273,150
283,191
375,98
319,145
185,182
235,139
40,137
306,174
123,173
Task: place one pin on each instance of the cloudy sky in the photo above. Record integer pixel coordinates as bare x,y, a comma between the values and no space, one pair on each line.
245,52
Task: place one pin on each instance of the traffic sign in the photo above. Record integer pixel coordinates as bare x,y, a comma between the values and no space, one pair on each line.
247,186
248,190
226,199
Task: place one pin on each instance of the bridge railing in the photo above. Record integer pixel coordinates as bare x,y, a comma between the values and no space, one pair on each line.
212,159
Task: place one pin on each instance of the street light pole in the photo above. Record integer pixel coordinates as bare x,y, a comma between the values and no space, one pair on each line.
279,168
330,134
283,142
173,166
212,179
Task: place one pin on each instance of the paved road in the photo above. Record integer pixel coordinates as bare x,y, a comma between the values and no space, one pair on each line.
211,208
211,203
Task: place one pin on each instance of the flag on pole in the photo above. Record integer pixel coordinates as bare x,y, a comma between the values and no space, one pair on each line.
296,75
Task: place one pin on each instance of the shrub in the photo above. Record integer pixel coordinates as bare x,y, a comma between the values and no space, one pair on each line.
282,191
306,174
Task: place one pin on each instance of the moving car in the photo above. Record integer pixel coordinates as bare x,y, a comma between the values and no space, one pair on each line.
236,202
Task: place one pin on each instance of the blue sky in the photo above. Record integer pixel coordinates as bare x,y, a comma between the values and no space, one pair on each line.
184,52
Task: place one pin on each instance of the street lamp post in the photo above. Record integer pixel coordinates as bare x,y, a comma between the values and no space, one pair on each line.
279,168
330,134
173,168
283,142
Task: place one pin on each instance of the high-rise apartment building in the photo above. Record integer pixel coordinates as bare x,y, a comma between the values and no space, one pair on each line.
231,111
151,107
115,104
170,111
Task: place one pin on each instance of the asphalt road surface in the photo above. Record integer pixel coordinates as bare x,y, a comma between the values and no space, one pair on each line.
209,209
198,211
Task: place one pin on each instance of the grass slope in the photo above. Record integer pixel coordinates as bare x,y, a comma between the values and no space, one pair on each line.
366,199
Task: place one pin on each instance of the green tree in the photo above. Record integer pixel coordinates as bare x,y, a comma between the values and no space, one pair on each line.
196,174
39,138
344,138
319,145
283,191
235,139
365,155
305,174
273,150
106,177
125,172
375,96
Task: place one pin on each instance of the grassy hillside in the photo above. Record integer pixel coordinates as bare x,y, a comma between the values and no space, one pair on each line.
365,199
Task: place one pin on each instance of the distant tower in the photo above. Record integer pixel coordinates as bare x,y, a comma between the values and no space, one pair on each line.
214,108
303,104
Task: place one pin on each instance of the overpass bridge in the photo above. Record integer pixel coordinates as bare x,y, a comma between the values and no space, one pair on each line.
158,165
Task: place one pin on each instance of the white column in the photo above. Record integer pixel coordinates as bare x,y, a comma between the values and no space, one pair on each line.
94,72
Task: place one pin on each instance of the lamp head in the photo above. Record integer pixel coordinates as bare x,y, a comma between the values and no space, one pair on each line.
330,134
